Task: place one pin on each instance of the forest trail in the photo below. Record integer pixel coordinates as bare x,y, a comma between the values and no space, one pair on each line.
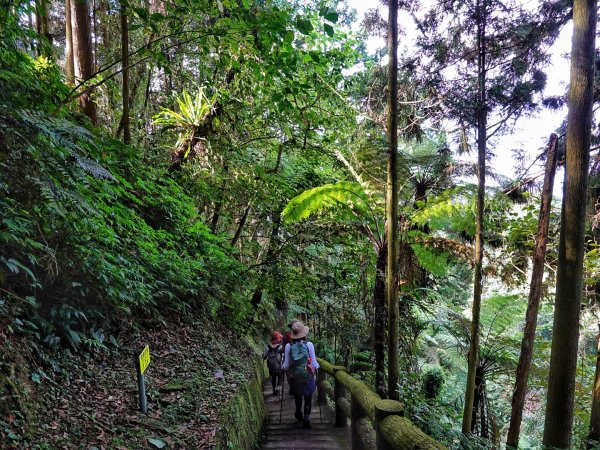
289,434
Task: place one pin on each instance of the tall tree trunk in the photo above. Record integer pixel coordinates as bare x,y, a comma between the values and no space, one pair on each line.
94,33
125,74
535,294
392,201
272,246
214,222
241,224
569,279
478,276
69,67
278,292
594,432
43,30
82,54
479,403
379,325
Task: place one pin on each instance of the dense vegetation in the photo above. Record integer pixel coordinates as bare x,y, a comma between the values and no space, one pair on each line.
226,166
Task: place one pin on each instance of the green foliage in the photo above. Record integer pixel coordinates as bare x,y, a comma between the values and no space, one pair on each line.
432,380
452,210
433,262
87,229
343,196
192,111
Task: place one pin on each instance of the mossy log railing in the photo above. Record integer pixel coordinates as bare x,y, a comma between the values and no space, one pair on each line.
376,423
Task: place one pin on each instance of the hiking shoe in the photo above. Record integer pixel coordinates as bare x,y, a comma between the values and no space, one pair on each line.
306,424
298,415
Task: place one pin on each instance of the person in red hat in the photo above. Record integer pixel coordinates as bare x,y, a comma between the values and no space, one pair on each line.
272,354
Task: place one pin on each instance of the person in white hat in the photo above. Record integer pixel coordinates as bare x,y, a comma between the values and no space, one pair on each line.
300,362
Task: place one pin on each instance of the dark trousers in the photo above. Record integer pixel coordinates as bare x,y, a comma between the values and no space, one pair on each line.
307,405
276,378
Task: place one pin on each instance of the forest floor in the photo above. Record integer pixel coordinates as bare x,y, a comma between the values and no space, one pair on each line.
93,403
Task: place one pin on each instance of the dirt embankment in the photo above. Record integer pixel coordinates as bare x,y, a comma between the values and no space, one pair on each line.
89,399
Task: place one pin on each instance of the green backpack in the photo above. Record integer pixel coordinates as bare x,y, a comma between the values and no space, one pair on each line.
299,357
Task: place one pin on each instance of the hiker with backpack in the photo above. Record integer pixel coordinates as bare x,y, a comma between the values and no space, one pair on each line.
287,339
272,354
300,362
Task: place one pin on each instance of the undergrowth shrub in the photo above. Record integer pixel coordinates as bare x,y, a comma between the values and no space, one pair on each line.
87,230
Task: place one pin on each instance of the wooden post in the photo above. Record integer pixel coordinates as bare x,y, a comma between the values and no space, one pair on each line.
321,394
339,392
383,409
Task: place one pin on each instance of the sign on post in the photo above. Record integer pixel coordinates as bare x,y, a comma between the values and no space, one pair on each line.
141,363
144,359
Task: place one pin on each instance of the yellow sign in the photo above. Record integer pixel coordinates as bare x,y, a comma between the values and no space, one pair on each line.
144,359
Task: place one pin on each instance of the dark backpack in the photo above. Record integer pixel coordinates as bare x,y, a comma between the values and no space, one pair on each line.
299,360
274,357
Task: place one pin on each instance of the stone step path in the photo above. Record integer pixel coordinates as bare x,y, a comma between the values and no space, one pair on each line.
289,434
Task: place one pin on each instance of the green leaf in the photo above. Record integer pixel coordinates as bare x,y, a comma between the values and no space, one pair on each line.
158,443
328,29
289,36
246,4
304,26
142,13
332,16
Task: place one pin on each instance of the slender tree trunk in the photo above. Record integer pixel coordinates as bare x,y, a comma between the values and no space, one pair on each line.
478,402
241,224
94,33
569,279
41,20
272,246
69,67
147,122
535,294
82,54
594,433
278,161
214,222
478,276
278,293
125,74
392,201
379,325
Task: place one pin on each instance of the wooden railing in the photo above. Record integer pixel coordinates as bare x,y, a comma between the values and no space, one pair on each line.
376,423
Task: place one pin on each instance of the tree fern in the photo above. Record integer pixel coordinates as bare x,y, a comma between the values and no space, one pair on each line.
343,195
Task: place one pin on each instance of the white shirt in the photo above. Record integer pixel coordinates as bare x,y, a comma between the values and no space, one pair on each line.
311,352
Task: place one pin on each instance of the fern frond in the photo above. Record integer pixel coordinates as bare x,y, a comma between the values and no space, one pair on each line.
500,313
343,194
68,135
446,245
454,209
